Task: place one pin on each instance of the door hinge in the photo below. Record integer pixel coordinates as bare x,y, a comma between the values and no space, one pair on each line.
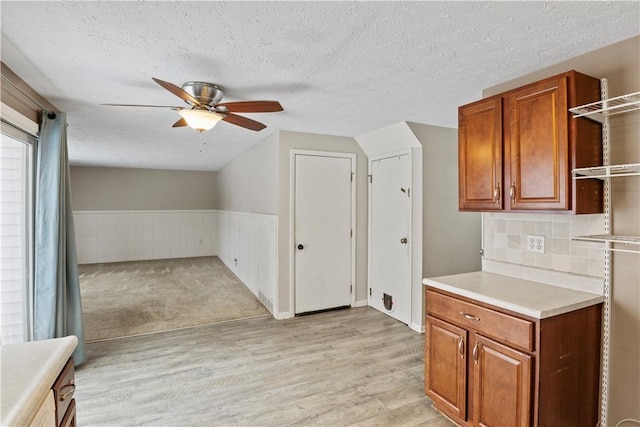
369,291
352,176
351,232
370,179
351,289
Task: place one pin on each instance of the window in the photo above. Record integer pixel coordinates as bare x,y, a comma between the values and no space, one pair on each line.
16,227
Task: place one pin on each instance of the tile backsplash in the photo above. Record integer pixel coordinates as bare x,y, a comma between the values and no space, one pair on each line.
505,240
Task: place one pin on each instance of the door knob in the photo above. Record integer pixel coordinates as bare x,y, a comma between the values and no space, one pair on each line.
300,247
404,240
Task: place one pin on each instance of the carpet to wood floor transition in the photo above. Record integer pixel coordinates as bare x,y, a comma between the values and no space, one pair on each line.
132,298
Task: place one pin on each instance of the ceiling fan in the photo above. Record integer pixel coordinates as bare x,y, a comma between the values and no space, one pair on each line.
204,109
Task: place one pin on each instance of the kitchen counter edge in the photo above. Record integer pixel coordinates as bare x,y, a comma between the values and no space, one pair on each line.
529,298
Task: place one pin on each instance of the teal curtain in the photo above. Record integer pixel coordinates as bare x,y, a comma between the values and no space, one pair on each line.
57,310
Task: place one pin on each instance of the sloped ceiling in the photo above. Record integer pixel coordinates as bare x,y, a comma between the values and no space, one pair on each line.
338,68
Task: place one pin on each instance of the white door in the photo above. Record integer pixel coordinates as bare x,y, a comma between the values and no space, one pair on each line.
322,232
390,231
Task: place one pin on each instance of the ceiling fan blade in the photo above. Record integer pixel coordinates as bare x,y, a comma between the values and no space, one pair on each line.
180,123
252,106
142,105
177,91
243,122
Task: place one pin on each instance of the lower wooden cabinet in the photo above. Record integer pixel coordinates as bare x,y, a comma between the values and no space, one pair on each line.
63,390
485,366
501,384
446,372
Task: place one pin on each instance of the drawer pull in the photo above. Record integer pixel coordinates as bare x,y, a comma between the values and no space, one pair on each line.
475,353
469,316
461,348
72,390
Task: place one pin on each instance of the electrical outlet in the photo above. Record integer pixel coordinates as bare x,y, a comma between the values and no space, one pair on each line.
535,244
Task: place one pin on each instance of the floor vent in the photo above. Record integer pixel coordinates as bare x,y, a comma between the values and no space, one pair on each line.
266,301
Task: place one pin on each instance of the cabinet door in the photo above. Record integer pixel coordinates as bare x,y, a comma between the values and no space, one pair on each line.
445,378
480,155
501,384
539,146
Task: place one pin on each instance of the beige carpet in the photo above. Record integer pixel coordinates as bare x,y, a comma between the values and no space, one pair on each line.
132,298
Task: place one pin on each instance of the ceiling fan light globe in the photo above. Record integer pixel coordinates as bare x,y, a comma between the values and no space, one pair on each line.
200,120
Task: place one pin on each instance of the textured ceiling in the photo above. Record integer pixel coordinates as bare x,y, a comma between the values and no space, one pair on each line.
338,68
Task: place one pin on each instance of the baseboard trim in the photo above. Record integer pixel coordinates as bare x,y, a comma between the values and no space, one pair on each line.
361,303
283,315
418,328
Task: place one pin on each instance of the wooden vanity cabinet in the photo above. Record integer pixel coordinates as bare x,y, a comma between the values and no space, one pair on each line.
63,390
517,149
485,366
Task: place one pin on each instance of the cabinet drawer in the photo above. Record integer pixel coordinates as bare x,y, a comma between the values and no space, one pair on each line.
64,389
502,327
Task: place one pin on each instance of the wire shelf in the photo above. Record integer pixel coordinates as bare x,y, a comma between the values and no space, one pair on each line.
608,107
628,240
615,243
603,172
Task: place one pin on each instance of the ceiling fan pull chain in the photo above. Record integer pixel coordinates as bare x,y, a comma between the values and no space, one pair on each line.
201,139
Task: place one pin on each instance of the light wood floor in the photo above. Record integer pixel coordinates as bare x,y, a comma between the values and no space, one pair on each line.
354,367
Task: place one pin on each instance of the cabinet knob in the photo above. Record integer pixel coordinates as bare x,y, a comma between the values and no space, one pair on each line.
461,348
496,193
512,192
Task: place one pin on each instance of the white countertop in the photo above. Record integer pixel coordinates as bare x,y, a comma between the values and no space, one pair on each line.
529,298
28,372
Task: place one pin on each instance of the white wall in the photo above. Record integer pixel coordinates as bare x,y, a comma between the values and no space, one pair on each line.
124,214
113,236
247,201
249,183
247,244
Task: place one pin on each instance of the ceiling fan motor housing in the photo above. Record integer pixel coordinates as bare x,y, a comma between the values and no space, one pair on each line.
207,93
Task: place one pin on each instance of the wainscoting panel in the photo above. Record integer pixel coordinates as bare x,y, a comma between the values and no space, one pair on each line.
247,244
113,236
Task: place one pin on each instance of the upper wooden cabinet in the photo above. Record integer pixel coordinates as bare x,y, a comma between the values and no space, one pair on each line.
517,149
480,155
